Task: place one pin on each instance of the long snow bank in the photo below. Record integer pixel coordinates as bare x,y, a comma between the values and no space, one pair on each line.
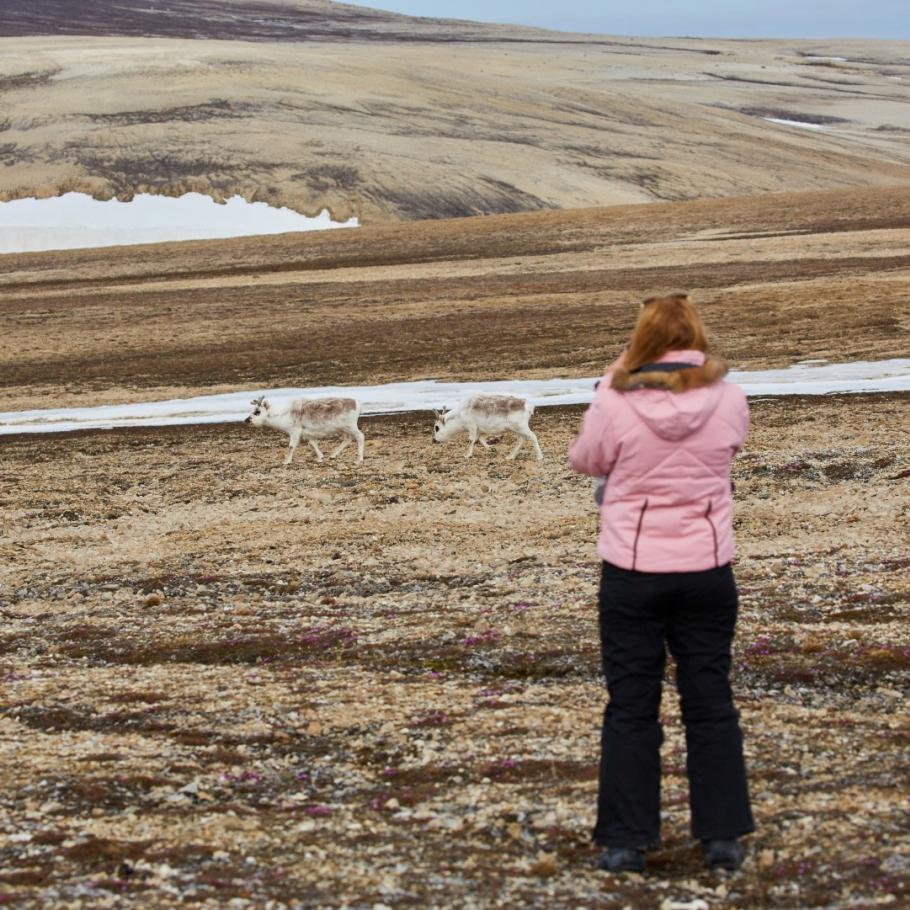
808,378
76,221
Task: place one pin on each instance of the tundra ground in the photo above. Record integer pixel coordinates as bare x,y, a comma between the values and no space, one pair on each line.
232,684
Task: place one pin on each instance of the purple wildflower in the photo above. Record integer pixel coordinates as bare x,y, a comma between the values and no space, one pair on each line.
318,810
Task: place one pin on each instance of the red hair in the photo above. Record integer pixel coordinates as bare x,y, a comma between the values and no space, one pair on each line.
665,324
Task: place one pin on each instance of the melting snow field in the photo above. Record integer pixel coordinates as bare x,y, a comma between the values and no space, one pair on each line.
807,378
75,221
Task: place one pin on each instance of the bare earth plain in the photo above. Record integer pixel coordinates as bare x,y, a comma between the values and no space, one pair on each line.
779,278
230,684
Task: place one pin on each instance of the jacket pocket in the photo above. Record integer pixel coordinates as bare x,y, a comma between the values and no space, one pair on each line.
641,519
713,530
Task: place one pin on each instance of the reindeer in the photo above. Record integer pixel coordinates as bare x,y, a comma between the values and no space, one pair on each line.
485,416
311,419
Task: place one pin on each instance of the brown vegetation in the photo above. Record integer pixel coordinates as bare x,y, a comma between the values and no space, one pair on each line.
779,279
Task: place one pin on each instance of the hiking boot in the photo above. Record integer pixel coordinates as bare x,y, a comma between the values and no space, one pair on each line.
723,854
622,859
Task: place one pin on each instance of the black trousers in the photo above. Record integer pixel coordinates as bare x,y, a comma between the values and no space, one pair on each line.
694,615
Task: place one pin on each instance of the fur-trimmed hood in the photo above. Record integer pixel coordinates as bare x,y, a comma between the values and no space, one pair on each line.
695,370
677,395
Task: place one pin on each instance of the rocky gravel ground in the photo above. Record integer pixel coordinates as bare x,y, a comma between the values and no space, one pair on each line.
231,684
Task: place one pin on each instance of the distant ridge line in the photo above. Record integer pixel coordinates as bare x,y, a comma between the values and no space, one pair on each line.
249,20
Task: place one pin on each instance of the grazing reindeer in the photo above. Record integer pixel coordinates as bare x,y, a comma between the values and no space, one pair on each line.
311,419
483,416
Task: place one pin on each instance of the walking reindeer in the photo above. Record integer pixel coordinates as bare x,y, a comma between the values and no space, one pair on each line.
311,419
486,416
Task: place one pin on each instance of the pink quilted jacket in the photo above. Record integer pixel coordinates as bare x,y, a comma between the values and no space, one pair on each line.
665,435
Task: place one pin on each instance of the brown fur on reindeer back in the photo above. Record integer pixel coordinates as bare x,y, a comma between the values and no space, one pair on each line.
498,405
322,410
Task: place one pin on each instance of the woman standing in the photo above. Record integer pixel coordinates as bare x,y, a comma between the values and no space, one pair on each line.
665,426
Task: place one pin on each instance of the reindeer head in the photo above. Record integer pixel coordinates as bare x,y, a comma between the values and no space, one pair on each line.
439,423
261,410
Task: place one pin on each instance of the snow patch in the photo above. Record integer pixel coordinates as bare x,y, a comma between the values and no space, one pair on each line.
76,221
800,123
806,378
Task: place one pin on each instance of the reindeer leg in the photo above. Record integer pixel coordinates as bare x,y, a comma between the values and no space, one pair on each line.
536,444
360,440
293,442
519,442
344,444
472,435
316,449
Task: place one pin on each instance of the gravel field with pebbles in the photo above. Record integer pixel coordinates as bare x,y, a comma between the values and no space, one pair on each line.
231,684
228,684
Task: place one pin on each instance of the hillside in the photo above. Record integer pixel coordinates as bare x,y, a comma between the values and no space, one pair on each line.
240,20
314,104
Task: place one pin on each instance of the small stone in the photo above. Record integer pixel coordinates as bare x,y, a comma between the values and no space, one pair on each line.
545,864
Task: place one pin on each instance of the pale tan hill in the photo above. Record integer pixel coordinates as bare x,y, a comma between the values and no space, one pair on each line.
314,104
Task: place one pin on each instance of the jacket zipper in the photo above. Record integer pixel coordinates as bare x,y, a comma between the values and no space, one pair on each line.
641,518
713,531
